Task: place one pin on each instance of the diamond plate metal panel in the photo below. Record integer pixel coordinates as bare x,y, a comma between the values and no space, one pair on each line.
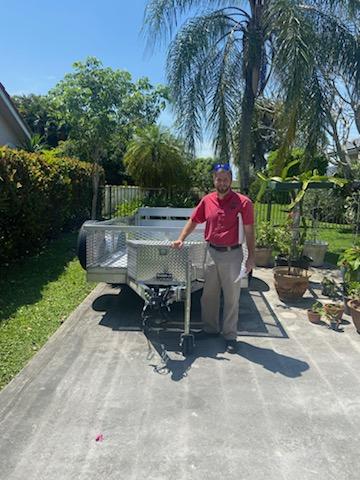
155,262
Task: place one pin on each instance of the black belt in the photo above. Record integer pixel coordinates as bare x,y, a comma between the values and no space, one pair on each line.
225,249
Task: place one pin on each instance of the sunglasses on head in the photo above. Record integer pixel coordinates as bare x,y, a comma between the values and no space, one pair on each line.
222,166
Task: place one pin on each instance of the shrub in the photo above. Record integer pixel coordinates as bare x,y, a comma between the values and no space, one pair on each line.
352,209
173,199
39,197
129,208
324,205
266,236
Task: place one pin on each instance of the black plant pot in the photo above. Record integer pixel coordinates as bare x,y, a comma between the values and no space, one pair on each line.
302,262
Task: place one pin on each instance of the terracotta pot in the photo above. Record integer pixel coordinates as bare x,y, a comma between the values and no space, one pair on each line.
346,306
354,306
263,257
314,317
334,311
291,283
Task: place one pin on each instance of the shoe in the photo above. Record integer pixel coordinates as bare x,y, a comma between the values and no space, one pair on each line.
231,346
202,335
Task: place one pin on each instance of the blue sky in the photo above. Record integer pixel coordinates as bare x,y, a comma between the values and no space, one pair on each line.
40,40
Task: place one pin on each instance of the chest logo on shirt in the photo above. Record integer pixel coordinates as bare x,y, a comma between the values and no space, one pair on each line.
233,206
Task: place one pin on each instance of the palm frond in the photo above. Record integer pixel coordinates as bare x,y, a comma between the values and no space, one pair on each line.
195,62
313,118
352,7
162,16
340,45
294,43
225,97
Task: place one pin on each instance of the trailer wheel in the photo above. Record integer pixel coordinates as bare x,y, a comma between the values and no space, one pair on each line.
81,245
187,344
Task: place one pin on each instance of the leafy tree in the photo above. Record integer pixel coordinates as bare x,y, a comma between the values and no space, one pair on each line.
221,60
155,158
39,113
100,105
297,158
200,173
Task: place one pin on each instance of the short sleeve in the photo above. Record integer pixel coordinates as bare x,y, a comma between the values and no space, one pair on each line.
247,211
198,215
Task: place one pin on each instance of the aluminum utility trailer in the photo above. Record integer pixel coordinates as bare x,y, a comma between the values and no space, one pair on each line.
136,251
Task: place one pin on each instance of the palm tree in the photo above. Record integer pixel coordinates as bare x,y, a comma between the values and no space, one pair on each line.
221,59
155,158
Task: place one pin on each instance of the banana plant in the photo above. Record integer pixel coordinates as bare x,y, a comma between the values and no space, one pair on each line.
301,182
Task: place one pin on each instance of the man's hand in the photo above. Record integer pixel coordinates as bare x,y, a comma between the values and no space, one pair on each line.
249,264
177,244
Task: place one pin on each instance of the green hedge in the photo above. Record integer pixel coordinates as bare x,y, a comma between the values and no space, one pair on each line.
39,197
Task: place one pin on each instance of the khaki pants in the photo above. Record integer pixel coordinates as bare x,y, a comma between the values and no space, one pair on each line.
221,269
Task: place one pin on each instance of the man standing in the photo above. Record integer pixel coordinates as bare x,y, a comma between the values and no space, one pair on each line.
220,210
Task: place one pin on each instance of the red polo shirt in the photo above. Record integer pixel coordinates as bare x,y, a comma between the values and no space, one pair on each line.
221,218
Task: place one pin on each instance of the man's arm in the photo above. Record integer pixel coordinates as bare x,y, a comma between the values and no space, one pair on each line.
189,227
250,242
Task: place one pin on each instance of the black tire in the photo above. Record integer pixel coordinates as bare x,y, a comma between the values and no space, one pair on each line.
81,245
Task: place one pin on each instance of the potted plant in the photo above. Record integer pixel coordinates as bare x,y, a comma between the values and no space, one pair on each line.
291,278
349,262
297,186
354,304
315,312
290,248
266,240
330,288
333,313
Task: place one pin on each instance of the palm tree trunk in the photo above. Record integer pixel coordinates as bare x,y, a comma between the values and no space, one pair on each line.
254,46
245,141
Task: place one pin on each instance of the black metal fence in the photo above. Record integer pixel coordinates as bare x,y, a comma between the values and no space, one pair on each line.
319,209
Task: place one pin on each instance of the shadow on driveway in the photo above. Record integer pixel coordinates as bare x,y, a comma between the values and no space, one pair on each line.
122,312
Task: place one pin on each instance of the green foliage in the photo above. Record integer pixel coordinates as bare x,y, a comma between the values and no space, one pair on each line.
39,197
326,205
102,107
35,144
330,288
175,199
254,189
299,163
317,307
40,114
350,261
127,209
200,173
304,180
37,295
155,158
353,290
266,235
352,209
221,58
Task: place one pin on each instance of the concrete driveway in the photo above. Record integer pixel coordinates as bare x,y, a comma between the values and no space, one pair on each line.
101,402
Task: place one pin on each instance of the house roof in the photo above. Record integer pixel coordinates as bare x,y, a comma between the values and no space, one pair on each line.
14,112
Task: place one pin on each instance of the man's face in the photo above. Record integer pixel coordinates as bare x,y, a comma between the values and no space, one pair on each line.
222,181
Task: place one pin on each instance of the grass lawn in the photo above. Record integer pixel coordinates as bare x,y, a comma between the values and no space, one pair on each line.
37,295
